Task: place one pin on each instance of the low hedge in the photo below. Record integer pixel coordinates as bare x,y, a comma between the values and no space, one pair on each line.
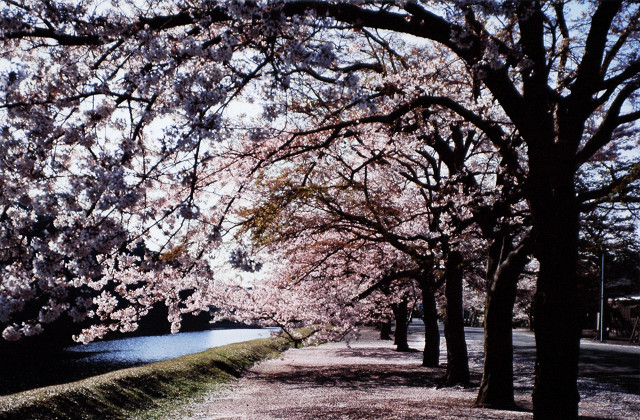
118,394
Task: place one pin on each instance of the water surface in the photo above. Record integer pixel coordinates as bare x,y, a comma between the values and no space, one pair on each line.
82,361
149,349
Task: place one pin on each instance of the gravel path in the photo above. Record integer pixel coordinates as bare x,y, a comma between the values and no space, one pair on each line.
367,379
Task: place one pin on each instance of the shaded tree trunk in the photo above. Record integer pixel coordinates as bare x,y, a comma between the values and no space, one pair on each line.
556,309
554,209
385,329
457,358
431,354
504,266
401,311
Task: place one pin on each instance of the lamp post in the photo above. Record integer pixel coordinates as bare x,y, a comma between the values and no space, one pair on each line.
602,298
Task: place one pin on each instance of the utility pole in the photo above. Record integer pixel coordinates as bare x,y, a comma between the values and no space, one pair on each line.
602,298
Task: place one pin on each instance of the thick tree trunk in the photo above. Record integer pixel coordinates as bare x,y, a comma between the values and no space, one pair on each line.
431,355
504,266
401,312
457,357
557,331
557,310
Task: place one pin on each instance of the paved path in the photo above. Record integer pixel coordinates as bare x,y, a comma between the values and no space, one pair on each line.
605,363
367,379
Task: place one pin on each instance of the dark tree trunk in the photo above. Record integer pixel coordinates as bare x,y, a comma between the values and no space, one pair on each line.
457,358
385,329
431,355
557,310
401,312
554,131
557,326
503,269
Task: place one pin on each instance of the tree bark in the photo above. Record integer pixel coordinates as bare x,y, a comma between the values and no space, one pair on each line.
401,312
457,357
557,310
431,354
504,266
557,326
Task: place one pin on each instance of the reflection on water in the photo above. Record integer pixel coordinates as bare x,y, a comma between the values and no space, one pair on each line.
155,348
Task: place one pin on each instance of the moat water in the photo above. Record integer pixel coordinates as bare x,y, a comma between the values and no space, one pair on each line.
83,361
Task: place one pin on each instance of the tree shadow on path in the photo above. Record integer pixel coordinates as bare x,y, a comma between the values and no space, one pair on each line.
356,377
372,368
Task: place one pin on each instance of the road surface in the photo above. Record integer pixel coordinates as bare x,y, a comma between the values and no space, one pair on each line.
606,363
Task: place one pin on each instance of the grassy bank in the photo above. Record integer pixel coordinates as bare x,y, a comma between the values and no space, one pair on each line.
127,392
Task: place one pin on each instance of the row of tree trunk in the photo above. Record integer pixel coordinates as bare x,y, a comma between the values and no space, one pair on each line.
457,372
503,269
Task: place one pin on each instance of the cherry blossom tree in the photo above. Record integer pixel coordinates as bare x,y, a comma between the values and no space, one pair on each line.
451,165
549,96
113,117
319,213
317,283
349,186
89,169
